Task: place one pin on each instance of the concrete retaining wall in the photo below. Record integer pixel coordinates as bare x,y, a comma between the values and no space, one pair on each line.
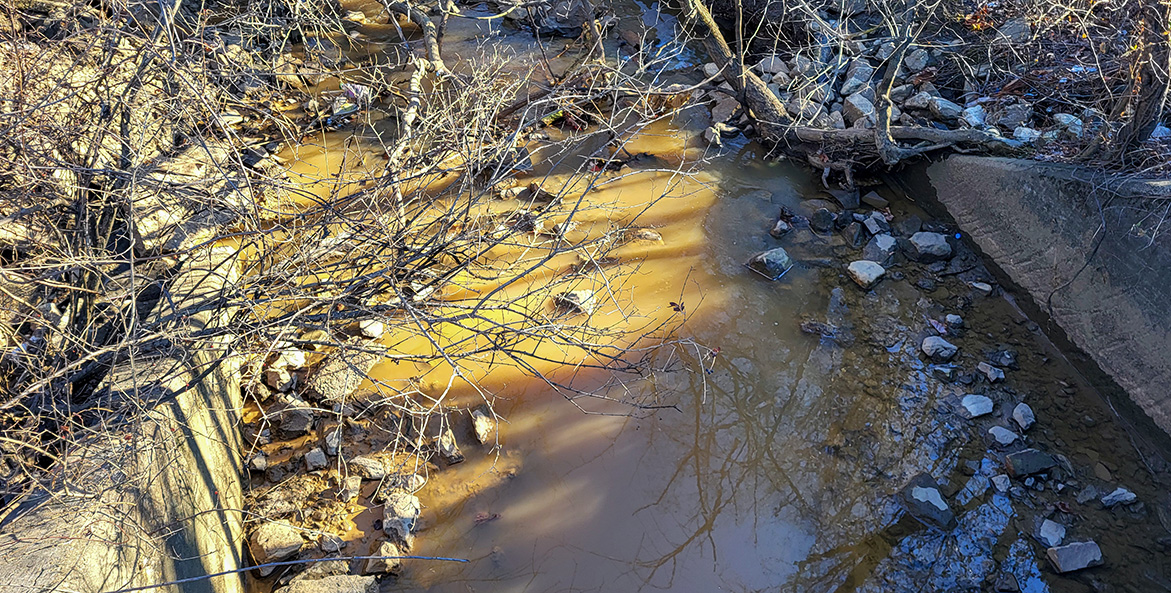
157,499
1090,252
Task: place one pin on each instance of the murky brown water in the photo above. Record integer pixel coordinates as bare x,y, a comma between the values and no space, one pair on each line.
774,467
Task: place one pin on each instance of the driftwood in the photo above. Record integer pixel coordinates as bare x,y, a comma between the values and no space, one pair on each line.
832,149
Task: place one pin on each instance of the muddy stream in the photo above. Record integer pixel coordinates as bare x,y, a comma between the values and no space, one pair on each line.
767,458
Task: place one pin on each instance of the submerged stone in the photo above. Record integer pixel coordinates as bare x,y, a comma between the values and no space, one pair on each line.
923,500
399,513
576,301
1028,461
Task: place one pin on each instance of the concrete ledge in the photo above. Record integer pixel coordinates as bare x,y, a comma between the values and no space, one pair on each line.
156,499
1089,251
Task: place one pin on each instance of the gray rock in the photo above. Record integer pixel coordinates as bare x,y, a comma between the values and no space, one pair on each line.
576,301
333,441
388,563
400,511
993,374
923,500
296,417
274,541
1002,482
822,220
710,69
857,107
920,100
1014,31
1003,435
1075,556
876,223
929,247
334,584
879,249
1087,494
1015,116
974,116
257,461
837,121
1051,533
368,468
865,273
938,349
315,459
974,405
371,328
351,488
725,106
945,110
853,234
288,356
848,198
316,571
773,65
772,263
901,93
954,321
916,60
1022,414
1028,462
330,543
1026,134
874,200
343,370
1119,496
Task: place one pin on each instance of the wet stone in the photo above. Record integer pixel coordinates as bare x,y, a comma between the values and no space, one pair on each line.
1051,533
1003,436
780,229
879,249
1028,462
954,321
926,284
929,247
330,543
910,225
388,563
848,198
993,374
1087,494
874,200
448,448
399,513
938,349
772,263
1022,414
865,273
368,468
853,234
822,220
975,405
982,287
334,584
1075,556
924,501
1119,496
944,372
1006,583
876,223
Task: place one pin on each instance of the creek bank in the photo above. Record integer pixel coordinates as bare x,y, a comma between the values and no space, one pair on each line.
1021,467
1087,251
